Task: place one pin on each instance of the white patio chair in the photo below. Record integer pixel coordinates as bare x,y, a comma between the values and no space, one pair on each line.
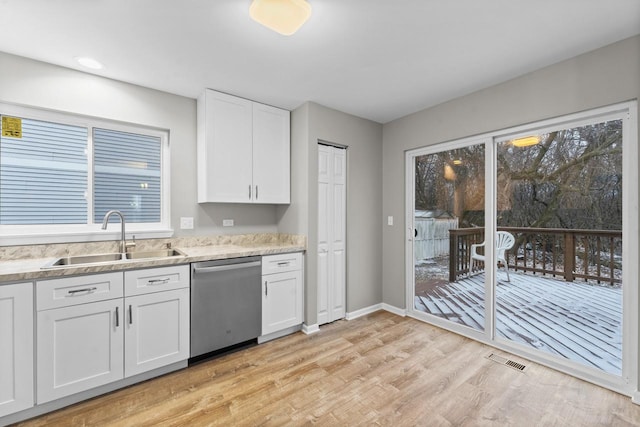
504,242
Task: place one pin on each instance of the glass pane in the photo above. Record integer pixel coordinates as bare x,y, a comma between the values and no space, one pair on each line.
560,197
127,175
43,174
449,218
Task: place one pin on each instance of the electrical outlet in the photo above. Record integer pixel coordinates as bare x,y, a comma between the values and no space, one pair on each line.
227,223
186,223
390,220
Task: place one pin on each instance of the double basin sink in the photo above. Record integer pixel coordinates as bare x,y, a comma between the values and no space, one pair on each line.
80,260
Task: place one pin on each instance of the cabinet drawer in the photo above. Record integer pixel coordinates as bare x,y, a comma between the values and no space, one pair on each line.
67,291
140,282
281,263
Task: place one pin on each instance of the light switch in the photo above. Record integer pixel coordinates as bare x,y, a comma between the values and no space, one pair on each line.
227,223
390,220
186,222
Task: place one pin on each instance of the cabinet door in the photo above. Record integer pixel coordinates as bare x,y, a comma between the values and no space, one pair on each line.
16,347
281,301
271,154
224,148
79,348
157,330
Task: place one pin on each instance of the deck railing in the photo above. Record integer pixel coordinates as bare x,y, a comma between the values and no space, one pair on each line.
591,255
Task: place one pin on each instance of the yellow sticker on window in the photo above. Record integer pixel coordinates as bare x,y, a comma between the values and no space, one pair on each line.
11,127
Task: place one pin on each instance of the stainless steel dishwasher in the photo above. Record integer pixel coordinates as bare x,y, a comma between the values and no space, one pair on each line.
226,303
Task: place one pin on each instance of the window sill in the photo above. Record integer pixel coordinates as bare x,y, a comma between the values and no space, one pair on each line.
76,236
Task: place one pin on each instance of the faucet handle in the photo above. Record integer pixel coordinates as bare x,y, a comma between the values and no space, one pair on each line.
130,245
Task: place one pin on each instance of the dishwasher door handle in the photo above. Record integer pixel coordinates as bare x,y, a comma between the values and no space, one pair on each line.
227,267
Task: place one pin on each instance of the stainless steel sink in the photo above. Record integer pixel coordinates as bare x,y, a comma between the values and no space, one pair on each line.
161,253
112,258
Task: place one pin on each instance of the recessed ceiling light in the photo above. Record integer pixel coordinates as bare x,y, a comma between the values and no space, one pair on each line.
85,61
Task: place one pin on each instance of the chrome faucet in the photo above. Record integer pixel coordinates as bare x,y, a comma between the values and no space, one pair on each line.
123,242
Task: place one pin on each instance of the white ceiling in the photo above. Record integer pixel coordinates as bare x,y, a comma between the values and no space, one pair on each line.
377,59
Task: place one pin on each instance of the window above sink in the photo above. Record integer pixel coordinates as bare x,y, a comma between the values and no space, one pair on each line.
60,173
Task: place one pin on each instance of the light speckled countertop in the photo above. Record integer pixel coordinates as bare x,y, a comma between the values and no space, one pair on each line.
25,269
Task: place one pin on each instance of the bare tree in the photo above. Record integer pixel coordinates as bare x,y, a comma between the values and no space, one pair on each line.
572,179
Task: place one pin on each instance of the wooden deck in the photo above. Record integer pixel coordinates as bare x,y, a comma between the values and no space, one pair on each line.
577,321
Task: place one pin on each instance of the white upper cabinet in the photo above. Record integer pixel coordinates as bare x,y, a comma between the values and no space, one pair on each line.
243,151
225,172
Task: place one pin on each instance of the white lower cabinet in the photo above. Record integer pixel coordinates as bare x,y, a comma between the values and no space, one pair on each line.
79,348
157,330
140,323
282,292
16,347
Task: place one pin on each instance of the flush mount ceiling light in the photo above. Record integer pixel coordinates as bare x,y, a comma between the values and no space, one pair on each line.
85,61
526,141
282,16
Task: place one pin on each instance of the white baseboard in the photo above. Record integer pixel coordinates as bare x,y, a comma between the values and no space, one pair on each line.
635,397
310,329
363,311
376,307
393,309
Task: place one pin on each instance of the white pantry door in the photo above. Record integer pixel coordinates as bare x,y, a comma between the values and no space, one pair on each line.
332,219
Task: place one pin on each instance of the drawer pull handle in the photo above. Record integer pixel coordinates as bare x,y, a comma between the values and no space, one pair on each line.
130,315
283,264
159,281
266,288
77,291
117,317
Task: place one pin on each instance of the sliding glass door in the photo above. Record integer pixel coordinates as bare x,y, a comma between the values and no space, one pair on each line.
448,207
523,239
560,197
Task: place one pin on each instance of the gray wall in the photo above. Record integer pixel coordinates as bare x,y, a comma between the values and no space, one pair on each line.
375,252
310,123
598,78
45,86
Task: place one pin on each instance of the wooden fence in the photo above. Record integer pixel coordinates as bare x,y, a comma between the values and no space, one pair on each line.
571,254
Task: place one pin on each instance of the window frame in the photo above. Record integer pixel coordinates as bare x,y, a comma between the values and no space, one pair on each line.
11,235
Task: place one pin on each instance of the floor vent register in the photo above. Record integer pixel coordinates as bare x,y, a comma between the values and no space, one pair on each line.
507,362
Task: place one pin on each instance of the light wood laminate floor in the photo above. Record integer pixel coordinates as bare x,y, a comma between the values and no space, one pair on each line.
380,369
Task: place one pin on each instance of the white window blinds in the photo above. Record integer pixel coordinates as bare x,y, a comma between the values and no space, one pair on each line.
54,173
127,175
43,175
